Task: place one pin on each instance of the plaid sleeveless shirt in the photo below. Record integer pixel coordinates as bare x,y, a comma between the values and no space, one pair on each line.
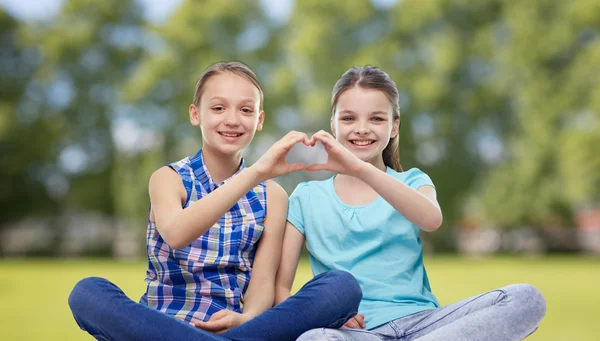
213,272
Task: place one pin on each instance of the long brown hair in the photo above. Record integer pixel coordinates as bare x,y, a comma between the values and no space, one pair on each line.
235,67
370,77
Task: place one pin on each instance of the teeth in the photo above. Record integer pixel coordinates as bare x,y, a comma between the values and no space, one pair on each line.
362,142
230,135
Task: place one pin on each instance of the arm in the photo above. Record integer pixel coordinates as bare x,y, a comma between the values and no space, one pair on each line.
261,290
179,227
418,206
293,241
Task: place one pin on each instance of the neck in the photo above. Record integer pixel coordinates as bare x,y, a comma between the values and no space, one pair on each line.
378,163
220,166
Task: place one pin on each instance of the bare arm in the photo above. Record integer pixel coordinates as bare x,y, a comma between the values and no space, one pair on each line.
293,241
419,206
261,290
179,227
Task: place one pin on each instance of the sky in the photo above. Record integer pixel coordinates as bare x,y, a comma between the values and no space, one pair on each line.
156,10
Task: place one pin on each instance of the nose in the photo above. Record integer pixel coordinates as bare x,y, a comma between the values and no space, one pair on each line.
230,119
362,129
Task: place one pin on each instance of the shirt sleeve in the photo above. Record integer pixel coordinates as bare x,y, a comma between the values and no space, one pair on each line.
295,206
417,178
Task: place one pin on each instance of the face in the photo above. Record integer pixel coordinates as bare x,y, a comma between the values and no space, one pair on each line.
363,123
228,113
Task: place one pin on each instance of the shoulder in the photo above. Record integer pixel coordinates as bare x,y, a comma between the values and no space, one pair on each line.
164,174
413,177
275,192
164,181
183,164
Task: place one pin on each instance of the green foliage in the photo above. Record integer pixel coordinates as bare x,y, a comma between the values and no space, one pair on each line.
500,100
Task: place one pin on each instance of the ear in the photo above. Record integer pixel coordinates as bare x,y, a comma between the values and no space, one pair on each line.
332,124
261,121
194,115
395,128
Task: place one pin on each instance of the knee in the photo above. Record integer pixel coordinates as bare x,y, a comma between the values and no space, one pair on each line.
529,299
312,335
346,285
85,291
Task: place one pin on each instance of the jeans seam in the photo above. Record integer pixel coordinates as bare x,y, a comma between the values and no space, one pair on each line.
396,330
455,310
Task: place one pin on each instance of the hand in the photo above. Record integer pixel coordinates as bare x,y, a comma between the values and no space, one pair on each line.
339,160
273,164
222,321
356,322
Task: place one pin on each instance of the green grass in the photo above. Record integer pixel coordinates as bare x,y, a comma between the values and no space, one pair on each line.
33,294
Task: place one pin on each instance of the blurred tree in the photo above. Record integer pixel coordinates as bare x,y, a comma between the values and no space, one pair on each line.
88,50
85,52
24,139
497,97
547,57
196,35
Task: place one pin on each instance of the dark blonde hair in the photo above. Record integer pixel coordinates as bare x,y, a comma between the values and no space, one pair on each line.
235,67
370,77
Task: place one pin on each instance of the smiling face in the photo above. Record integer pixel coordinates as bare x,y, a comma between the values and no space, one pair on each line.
228,113
363,123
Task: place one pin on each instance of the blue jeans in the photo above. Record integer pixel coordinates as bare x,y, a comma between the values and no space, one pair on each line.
507,314
104,311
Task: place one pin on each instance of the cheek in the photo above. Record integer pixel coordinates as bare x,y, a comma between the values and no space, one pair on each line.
250,123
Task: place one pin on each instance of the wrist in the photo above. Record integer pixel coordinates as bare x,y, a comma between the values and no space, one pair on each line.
247,316
255,174
361,170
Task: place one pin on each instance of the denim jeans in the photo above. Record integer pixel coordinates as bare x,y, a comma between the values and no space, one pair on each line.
104,311
505,314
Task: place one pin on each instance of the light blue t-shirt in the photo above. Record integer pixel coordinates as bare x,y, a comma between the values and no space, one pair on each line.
374,242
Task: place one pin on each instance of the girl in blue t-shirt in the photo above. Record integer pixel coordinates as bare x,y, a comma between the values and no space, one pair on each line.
367,220
214,237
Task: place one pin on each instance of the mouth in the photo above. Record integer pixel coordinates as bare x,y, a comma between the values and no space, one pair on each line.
230,134
362,143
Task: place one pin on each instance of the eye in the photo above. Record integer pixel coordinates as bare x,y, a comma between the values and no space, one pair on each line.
347,118
378,119
247,110
218,108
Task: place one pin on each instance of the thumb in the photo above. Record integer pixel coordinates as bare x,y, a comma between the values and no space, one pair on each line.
219,315
297,167
318,167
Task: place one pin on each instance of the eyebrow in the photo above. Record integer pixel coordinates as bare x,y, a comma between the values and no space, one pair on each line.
225,99
377,112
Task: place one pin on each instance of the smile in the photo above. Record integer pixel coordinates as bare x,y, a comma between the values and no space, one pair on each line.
230,134
362,142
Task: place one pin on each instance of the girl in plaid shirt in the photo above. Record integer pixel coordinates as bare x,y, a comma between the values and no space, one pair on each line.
207,272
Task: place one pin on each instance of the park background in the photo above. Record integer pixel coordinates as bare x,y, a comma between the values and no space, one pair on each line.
500,105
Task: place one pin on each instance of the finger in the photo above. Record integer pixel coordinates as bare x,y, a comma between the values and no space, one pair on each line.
351,324
213,326
297,167
219,315
290,140
361,320
327,141
318,167
296,133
